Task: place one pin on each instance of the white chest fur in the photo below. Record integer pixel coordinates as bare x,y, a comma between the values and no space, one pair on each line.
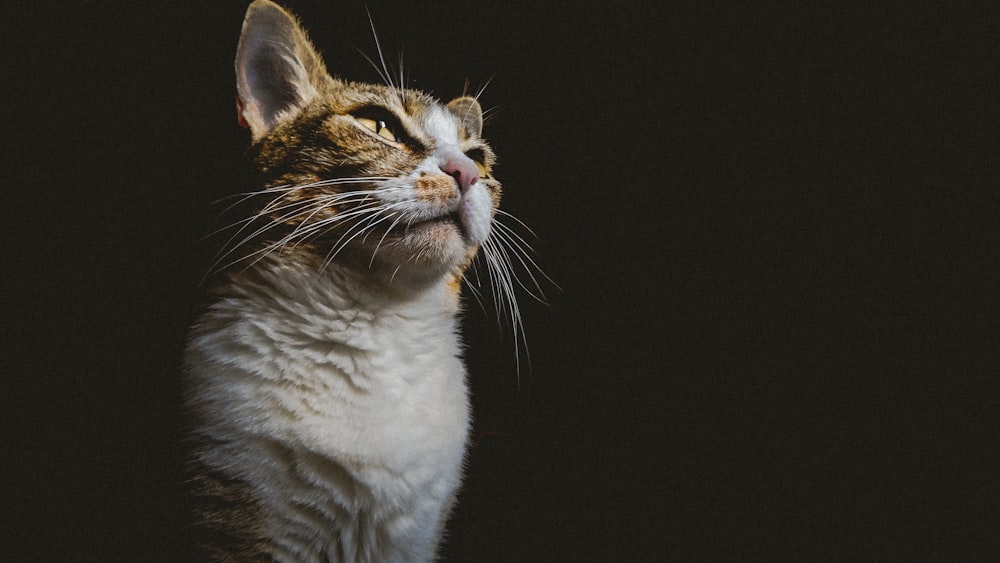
344,411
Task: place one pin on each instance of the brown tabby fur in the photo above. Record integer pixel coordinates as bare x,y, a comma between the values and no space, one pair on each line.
321,142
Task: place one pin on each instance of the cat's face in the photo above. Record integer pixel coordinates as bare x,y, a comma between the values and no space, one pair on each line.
426,199
379,178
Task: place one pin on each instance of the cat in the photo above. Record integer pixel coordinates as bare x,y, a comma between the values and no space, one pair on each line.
323,378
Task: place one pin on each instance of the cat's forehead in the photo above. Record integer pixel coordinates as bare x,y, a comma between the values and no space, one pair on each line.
440,124
401,101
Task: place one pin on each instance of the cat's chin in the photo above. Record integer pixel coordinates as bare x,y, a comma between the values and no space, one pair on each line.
437,229
426,250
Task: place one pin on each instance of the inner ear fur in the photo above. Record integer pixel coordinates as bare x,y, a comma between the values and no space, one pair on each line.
278,71
470,113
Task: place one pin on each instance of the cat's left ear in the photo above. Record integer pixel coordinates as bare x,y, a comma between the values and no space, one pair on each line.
469,113
278,71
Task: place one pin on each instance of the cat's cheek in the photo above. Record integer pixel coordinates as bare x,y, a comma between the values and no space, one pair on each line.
476,211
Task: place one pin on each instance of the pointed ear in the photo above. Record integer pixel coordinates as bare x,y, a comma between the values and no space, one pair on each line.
278,72
469,113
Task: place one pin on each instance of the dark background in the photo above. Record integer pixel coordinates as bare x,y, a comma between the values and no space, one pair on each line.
774,230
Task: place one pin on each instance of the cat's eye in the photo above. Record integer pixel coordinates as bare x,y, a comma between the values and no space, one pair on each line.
379,127
479,157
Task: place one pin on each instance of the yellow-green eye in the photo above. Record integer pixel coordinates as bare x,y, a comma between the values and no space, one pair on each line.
368,123
385,133
483,173
378,127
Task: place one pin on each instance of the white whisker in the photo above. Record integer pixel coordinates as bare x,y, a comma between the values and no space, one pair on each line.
292,210
506,298
483,87
516,245
384,72
381,240
364,230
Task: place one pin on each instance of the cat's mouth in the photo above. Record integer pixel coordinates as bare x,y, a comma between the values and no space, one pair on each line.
444,220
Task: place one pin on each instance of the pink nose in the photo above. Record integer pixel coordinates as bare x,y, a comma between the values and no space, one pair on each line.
462,169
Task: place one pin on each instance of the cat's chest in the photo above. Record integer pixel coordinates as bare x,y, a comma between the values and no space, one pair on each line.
375,381
392,387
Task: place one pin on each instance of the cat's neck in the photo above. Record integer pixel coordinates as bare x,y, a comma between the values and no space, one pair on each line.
301,317
303,288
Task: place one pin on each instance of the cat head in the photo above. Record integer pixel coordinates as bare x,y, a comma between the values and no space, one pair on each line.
378,178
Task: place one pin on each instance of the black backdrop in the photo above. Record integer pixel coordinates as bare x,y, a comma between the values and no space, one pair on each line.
772,337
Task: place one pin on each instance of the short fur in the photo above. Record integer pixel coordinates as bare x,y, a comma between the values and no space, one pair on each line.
323,380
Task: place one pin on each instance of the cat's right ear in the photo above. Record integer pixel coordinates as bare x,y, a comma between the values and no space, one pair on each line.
278,72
